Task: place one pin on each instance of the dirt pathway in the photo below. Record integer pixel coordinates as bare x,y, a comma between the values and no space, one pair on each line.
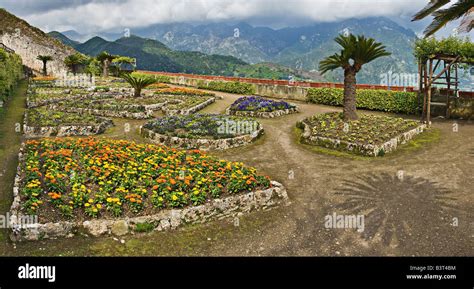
409,215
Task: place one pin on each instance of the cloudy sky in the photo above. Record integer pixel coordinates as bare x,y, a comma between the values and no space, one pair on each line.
90,16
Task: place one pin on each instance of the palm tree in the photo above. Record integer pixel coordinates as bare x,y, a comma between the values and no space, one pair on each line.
74,61
121,60
105,58
138,81
44,59
462,8
356,51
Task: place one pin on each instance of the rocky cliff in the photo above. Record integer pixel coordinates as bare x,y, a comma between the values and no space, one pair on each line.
29,42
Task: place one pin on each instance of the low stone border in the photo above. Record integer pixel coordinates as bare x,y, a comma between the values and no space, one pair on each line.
148,113
367,150
199,143
65,130
189,110
230,206
262,114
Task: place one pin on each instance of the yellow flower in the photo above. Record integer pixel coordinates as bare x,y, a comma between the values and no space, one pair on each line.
109,200
90,200
174,197
87,204
99,206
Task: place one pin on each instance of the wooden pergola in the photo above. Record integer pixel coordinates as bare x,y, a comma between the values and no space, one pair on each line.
440,69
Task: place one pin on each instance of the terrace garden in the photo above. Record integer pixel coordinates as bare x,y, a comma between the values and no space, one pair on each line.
260,107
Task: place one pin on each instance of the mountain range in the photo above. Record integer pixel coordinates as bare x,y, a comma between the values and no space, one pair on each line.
154,55
299,48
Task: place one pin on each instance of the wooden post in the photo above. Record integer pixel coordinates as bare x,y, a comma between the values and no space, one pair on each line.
425,85
448,91
428,101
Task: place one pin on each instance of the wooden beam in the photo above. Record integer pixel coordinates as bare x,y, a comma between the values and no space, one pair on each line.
443,71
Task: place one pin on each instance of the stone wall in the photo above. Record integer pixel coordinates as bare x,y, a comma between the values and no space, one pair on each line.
29,48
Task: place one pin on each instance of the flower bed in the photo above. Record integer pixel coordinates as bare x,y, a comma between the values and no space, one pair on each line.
202,131
68,183
43,96
42,122
110,107
182,91
137,108
257,106
370,135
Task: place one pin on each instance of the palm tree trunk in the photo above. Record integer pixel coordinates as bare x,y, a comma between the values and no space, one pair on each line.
349,109
105,72
45,72
138,92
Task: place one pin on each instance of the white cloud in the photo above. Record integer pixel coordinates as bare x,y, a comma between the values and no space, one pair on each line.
92,16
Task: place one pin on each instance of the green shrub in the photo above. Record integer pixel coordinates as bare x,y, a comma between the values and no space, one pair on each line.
11,70
373,99
227,86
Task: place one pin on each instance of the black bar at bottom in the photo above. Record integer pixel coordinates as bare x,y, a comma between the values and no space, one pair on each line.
237,272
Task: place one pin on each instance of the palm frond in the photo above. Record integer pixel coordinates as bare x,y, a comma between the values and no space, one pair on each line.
333,62
467,23
138,81
367,50
443,16
430,8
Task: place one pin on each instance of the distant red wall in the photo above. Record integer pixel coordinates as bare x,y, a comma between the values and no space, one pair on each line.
464,94
281,82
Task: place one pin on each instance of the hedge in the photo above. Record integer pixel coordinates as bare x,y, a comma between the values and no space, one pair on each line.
11,70
226,86
373,99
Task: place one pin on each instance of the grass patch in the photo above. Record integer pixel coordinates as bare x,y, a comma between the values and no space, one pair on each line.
144,227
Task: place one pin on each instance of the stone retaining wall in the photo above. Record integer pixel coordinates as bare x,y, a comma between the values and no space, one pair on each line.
230,206
202,144
262,114
367,150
